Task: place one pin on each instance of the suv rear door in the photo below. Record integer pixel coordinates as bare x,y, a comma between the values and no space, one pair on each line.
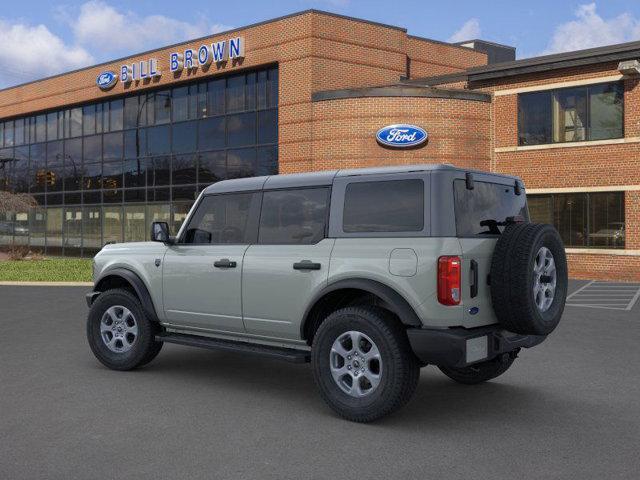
491,200
202,272
290,262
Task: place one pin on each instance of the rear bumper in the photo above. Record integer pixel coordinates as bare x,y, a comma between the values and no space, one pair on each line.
459,347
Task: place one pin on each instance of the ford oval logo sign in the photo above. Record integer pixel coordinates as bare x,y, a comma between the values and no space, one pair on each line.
106,80
401,136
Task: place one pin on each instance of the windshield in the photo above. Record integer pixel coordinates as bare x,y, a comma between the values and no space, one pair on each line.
485,209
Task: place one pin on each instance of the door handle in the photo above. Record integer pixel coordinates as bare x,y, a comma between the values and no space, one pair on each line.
224,263
474,279
306,265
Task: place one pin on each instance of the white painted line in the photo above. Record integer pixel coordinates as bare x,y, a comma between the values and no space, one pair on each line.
634,300
581,288
595,306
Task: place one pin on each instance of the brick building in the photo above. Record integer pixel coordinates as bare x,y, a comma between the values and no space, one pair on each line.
108,149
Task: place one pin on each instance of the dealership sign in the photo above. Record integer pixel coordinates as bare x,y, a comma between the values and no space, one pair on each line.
189,59
401,136
106,80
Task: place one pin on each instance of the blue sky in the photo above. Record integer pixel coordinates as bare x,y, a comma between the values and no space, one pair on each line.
43,37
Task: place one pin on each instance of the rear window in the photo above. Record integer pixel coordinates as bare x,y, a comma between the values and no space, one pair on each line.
387,206
481,211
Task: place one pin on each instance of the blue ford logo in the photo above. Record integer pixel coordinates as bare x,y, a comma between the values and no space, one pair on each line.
401,136
106,80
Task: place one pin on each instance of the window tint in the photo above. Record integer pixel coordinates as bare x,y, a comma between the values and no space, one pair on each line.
222,219
388,206
294,216
481,211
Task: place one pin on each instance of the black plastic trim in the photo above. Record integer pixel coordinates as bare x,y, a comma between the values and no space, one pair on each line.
447,347
138,285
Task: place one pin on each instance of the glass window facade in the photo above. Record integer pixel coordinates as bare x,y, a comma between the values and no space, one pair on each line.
102,172
594,112
584,220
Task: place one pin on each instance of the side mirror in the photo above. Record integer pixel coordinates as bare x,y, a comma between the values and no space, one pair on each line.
160,232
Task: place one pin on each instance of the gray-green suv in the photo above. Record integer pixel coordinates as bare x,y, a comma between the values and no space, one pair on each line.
368,274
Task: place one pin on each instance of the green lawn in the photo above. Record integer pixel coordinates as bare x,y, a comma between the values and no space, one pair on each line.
47,270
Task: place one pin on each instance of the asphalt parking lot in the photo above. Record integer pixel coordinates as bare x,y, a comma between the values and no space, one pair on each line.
568,409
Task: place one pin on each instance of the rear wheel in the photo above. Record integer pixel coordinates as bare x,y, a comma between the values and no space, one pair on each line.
363,364
120,334
480,372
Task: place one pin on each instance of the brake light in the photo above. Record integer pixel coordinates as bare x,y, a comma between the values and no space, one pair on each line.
449,280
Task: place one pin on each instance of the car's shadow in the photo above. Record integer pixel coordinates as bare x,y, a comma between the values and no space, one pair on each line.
438,402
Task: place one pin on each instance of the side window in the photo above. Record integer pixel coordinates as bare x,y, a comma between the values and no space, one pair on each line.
297,216
223,219
385,206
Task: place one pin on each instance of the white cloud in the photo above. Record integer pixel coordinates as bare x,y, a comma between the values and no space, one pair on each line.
469,31
28,52
104,29
589,29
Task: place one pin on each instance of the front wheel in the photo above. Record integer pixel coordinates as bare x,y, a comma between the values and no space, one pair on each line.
120,334
363,364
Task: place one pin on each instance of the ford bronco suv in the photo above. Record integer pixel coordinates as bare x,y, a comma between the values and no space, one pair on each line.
368,274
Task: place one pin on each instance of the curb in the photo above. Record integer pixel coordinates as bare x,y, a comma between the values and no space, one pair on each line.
47,284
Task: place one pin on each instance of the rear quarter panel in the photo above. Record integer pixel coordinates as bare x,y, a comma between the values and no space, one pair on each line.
369,258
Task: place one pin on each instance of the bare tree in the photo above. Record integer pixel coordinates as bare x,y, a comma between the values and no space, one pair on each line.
16,202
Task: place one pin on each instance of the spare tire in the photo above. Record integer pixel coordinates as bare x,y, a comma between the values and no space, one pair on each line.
529,278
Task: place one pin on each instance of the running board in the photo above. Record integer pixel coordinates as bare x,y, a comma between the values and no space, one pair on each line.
286,354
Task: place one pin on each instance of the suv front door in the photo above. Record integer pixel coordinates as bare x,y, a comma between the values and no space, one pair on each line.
290,262
202,272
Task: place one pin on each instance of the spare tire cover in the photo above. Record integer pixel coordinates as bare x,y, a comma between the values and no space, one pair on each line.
529,278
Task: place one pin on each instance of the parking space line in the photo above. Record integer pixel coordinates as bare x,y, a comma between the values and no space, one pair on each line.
634,300
581,288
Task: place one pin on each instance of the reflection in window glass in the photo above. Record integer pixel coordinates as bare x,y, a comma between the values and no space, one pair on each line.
37,227
293,216
606,105
89,120
241,163
184,137
8,134
570,115
267,161
116,119
212,167
92,173
241,129
112,175
161,170
216,93
481,210
55,172
112,224
211,133
19,131
157,213
179,214
37,168
73,230
135,172
134,223
235,93
92,229
184,169
92,149
158,140
268,126
180,103
162,109
273,88
54,230
21,169
41,128
75,122
534,118
112,146
130,115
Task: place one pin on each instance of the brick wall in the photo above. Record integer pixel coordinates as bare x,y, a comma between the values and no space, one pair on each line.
429,58
615,164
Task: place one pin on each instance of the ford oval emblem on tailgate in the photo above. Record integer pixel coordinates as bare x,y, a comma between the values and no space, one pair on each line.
106,80
401,136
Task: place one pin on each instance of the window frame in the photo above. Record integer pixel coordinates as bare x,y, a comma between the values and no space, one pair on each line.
325,232
336,220
552,92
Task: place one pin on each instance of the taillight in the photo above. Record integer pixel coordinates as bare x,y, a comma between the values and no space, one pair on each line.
449,280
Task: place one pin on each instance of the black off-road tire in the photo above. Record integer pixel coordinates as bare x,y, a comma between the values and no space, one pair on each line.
144,348
480,372
513,277
399,373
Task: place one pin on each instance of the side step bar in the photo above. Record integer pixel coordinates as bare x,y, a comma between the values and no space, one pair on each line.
286,354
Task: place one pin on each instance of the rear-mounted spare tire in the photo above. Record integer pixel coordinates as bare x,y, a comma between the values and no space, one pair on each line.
529,278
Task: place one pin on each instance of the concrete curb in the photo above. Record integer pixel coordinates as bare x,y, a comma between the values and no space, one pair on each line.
47,284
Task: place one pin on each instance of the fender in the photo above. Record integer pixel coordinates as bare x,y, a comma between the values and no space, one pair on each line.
138,285
396,302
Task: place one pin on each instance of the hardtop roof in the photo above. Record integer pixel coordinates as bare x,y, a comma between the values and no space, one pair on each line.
325,178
